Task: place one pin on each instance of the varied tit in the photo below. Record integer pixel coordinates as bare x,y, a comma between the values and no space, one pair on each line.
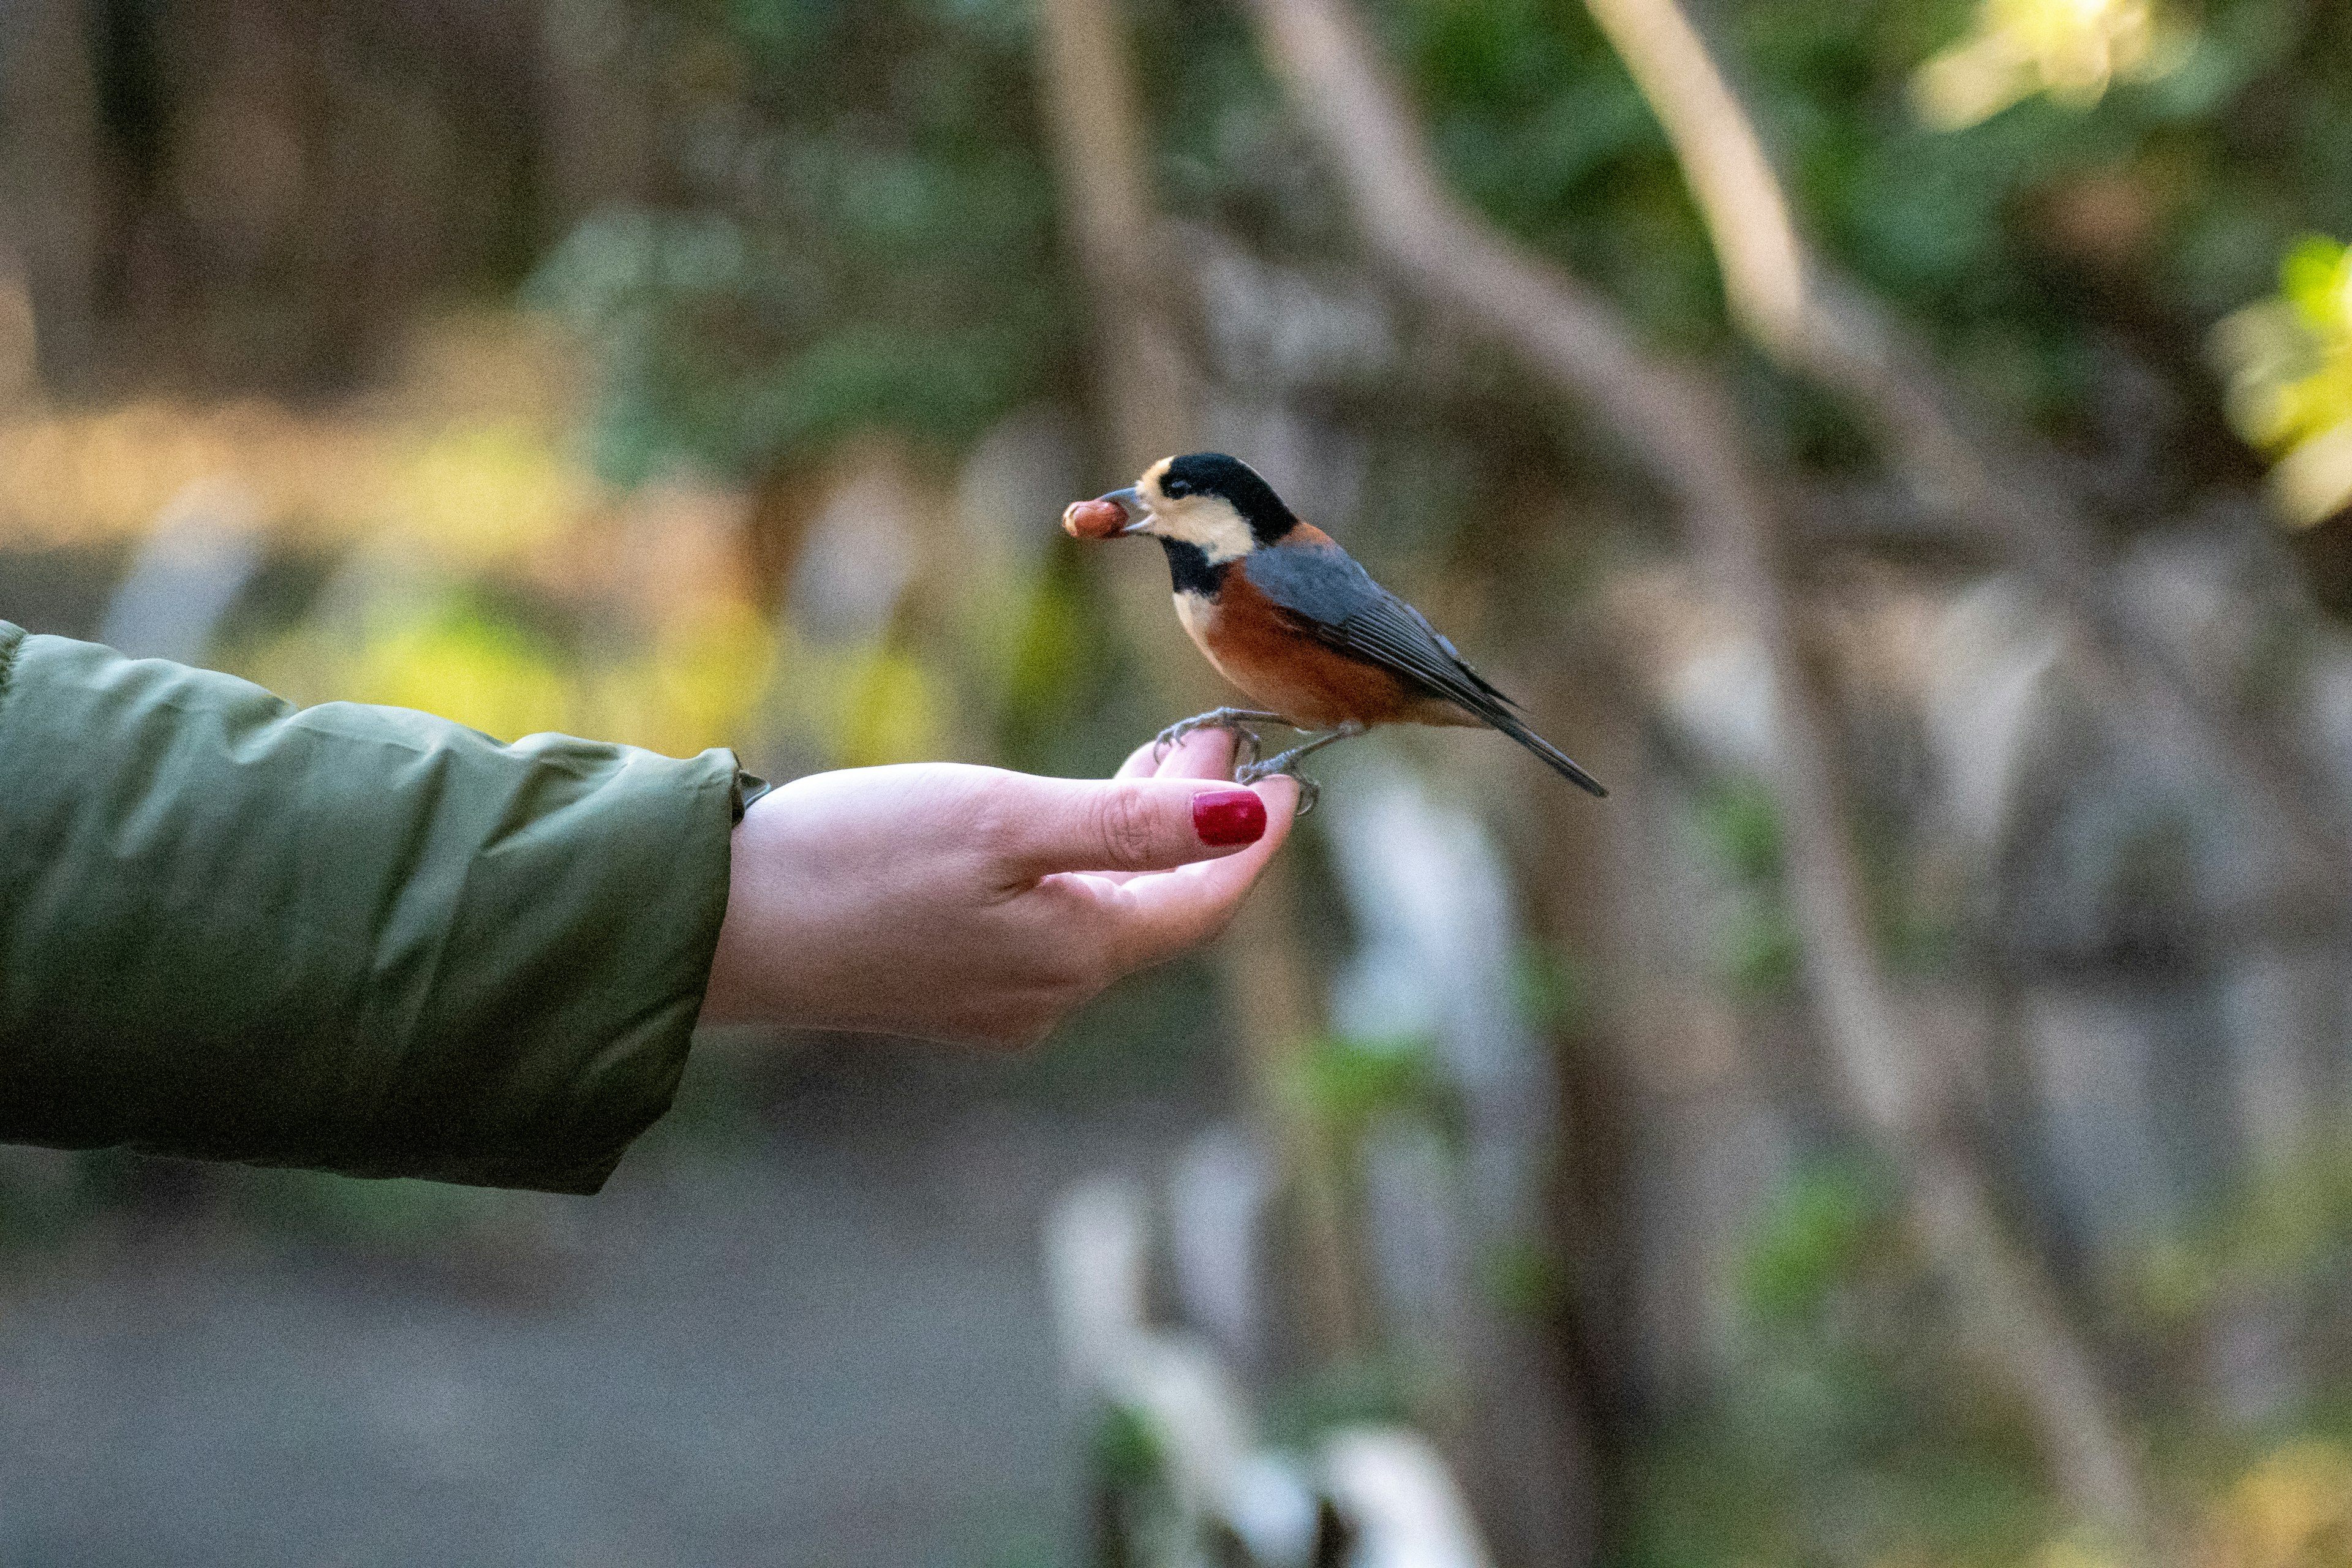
1288,617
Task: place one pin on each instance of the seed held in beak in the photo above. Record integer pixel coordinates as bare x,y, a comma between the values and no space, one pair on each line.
1093,518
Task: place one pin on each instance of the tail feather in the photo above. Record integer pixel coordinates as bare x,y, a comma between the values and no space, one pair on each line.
1559,760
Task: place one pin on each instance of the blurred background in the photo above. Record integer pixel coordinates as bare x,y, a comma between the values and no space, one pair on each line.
1904,449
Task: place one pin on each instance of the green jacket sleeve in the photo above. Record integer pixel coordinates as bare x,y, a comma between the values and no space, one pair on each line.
349,938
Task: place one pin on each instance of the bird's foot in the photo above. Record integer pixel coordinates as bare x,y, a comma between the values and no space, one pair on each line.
1309,791
1235,721
1286,762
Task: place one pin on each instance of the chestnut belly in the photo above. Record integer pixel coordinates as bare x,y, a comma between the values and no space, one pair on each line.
1286,672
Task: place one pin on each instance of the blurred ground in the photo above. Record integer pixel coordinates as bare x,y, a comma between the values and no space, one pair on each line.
831,1348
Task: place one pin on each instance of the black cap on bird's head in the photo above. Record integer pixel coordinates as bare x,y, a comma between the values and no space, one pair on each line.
1216,503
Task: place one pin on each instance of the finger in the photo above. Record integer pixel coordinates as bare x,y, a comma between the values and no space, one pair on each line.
1156,917
1036,826
1140,764
1203,755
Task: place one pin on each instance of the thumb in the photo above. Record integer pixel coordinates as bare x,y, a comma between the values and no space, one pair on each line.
1126,824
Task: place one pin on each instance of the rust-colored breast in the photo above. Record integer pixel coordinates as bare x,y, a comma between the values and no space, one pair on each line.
1286,671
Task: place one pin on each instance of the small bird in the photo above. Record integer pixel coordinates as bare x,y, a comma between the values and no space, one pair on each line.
1288,617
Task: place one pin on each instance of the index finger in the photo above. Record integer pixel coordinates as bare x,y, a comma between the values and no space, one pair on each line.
1205,753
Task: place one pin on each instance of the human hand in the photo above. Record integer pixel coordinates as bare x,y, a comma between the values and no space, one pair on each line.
976,905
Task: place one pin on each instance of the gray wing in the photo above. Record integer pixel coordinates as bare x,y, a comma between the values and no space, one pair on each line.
1333,599
1336,601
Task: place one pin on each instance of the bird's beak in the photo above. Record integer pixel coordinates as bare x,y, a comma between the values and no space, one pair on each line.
1131,502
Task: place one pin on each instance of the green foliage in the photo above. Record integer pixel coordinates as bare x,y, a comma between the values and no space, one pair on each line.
867,229
867,241
1998,236
1536,122
1525,1279
469,657
1126,1450
1816,1233
1131,1491
2288,1225
1761,953
1374,1389
1349,1085
1774,1500
2007,241
1064,656
1844,1438
2289,359
1741,823
1550,987
1756,943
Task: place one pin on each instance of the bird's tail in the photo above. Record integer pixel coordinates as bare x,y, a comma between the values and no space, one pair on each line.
1559,762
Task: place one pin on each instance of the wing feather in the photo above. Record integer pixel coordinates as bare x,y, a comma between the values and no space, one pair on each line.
1330,597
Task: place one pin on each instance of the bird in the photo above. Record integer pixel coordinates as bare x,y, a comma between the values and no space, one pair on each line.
1296,622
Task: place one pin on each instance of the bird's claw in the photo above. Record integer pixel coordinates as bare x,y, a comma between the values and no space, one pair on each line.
1309,791
1234,721
1247,744
1247,748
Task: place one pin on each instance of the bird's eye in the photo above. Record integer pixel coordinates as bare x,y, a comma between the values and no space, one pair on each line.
1176,488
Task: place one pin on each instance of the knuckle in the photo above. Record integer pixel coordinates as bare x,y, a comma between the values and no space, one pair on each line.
1126,826
992,828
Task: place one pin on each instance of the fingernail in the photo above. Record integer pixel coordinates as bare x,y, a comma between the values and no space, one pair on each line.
1223,816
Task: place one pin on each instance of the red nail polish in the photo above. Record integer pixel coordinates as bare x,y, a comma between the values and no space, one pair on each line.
1223,816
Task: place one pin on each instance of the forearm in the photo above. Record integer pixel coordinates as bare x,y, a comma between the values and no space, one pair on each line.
349,938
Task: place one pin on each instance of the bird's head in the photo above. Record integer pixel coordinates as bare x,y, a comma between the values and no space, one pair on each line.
1215,503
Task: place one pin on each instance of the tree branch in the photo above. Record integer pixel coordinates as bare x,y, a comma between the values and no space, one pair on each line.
1818,324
